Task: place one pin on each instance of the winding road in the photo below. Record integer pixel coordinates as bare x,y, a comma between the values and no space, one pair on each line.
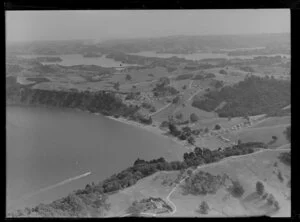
212,164
164,107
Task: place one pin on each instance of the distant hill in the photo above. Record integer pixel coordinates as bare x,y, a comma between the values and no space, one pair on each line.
170,44
190,44
253,96
103,102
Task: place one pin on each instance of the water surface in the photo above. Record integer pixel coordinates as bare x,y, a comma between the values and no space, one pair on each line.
77,59
46,147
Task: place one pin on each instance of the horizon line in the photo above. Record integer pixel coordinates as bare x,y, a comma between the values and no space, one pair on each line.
150,37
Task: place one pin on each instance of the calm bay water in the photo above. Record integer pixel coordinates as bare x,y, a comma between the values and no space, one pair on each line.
48,146
77,59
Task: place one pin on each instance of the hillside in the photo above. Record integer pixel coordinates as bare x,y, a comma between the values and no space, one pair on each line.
103,102
253,96
262,134
188,44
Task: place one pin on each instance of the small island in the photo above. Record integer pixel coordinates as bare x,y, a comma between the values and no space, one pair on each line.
92,55
185,51
49,59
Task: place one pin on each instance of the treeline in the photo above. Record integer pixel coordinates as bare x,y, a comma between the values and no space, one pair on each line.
163,88
103,102
203,183
48,59
287,133
142,60
186,133
74,205
253,96
140,169
204,76
264,51
204,155
285,158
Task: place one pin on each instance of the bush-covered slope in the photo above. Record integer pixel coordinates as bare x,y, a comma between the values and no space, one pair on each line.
253,96
103,102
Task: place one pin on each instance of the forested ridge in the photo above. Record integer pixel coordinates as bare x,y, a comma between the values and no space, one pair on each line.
103,102
253,96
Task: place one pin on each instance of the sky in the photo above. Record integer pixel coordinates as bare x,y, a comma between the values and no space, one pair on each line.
111,24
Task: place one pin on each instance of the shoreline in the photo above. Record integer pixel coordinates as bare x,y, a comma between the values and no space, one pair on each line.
153,128
150,128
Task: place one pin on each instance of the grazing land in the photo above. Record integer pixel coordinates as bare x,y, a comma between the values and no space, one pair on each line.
230,115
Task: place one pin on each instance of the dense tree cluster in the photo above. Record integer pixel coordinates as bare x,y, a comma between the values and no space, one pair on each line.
164,124
202,76
203,155
162,88
253,96
176,100
184,76
38,79
203,208
48,59
194,118
128,77
236,189
217,127
103,102
116,85
260,188
132,95
218,84
247,69
141,118
285,158
148,106
74,205
222,71
202,183
271,201
184,134
287,133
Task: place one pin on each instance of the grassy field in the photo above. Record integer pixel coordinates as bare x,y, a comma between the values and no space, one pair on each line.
247,170
263,166
187,110
263,134
156,185
272,121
